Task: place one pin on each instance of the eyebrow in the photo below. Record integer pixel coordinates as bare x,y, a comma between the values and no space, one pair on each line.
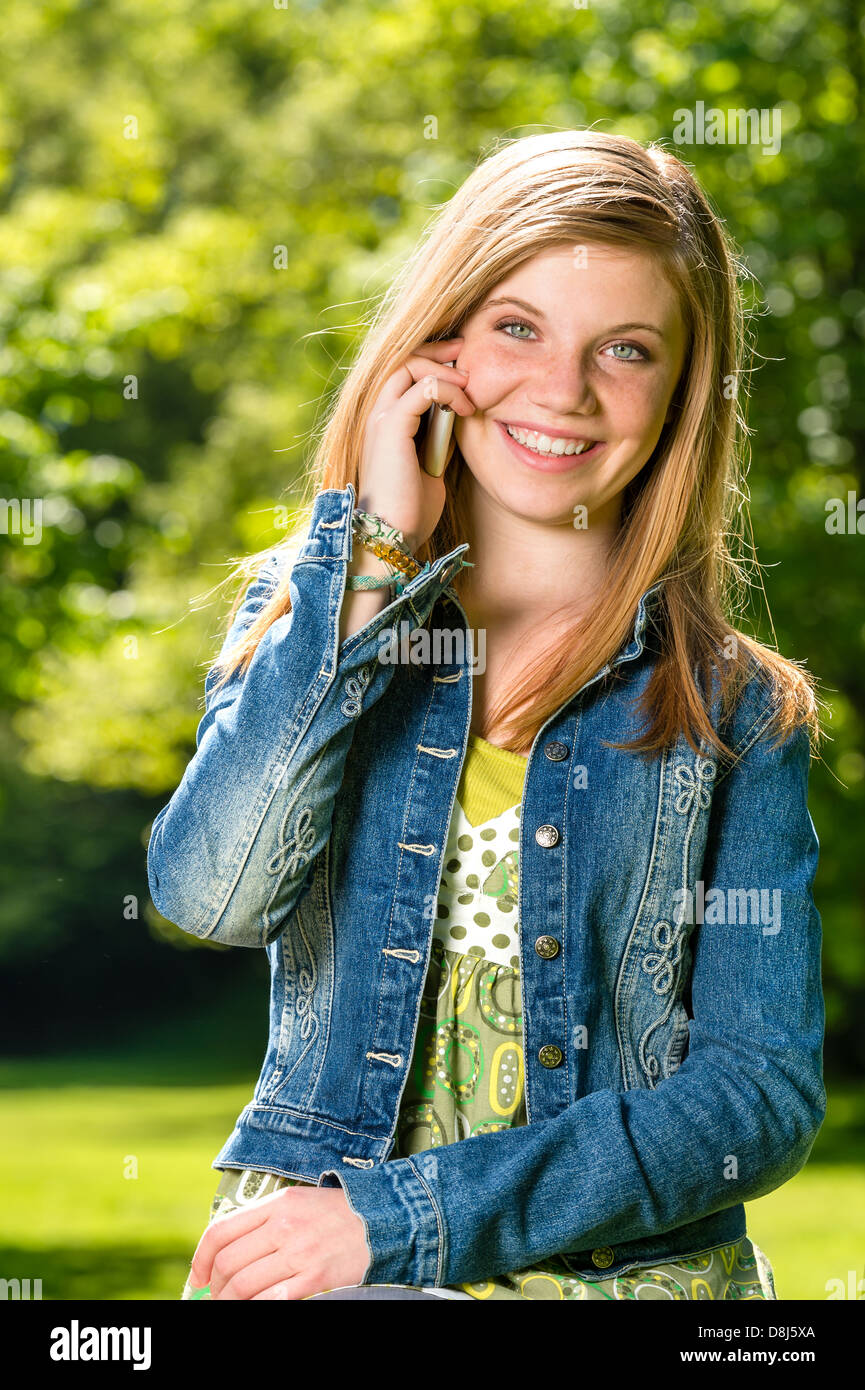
530,309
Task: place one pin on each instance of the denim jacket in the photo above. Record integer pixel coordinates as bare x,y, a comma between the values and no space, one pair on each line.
673,1041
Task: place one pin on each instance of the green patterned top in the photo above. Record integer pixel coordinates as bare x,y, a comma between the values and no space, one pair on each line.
467,1071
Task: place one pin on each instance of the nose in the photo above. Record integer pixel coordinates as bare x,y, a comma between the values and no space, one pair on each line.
562,387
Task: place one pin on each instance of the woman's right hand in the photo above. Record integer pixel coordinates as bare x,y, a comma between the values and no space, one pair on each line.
392,483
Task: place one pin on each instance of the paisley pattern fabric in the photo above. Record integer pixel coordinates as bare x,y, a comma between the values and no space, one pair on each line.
467,1072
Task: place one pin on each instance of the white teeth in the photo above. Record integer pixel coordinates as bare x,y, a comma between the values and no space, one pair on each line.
543,444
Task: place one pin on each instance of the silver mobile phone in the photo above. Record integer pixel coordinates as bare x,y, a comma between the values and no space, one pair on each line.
440,425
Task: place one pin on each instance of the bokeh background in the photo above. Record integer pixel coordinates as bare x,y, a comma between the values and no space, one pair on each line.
201,200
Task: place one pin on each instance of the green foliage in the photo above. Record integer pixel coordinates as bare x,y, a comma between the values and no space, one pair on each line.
160,375
140,1130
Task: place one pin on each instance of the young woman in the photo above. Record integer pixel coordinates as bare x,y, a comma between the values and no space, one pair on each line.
525,837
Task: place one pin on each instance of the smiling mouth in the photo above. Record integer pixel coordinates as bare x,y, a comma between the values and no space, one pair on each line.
549,446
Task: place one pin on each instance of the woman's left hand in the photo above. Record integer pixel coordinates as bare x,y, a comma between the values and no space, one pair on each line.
296,1242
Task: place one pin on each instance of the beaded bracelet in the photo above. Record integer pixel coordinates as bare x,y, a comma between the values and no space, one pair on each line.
375,527
388,543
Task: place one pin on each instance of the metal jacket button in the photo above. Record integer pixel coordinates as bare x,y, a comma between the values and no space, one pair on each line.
556,752
547,947
550,1056
603,1257
547,835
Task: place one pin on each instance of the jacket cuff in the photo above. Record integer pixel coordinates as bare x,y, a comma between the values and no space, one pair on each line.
404,1228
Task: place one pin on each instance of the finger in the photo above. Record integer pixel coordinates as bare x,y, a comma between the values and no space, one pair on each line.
274,1292
265,1273
404,414
414,369
421,366
300,1286
220,1233
432,390
443,350
263,1241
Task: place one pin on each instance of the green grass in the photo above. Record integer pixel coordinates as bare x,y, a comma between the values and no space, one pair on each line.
105,1170
813,1228
111,1183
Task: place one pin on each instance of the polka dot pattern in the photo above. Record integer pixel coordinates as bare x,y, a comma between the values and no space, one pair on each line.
478,893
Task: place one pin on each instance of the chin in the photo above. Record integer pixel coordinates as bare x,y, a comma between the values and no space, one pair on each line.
534,500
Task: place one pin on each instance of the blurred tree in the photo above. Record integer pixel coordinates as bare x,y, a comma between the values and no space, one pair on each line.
161,370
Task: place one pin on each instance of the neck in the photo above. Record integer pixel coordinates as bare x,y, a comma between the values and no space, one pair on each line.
526,570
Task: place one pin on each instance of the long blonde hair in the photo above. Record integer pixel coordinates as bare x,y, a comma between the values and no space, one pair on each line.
684,516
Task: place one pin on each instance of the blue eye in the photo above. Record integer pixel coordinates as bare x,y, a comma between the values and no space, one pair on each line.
642,355
634,351
515,323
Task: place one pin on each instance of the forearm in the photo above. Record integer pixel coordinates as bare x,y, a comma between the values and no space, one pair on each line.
737,1119
230,854
360,606
598,1174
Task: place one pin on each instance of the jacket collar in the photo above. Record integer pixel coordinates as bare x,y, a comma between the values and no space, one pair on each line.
647,606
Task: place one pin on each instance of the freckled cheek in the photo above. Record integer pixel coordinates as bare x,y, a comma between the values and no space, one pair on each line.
492,375
638,409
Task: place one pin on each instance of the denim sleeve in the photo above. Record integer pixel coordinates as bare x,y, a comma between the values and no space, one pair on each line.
231,853
735,1121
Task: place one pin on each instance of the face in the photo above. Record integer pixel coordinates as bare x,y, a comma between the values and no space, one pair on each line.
579,348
